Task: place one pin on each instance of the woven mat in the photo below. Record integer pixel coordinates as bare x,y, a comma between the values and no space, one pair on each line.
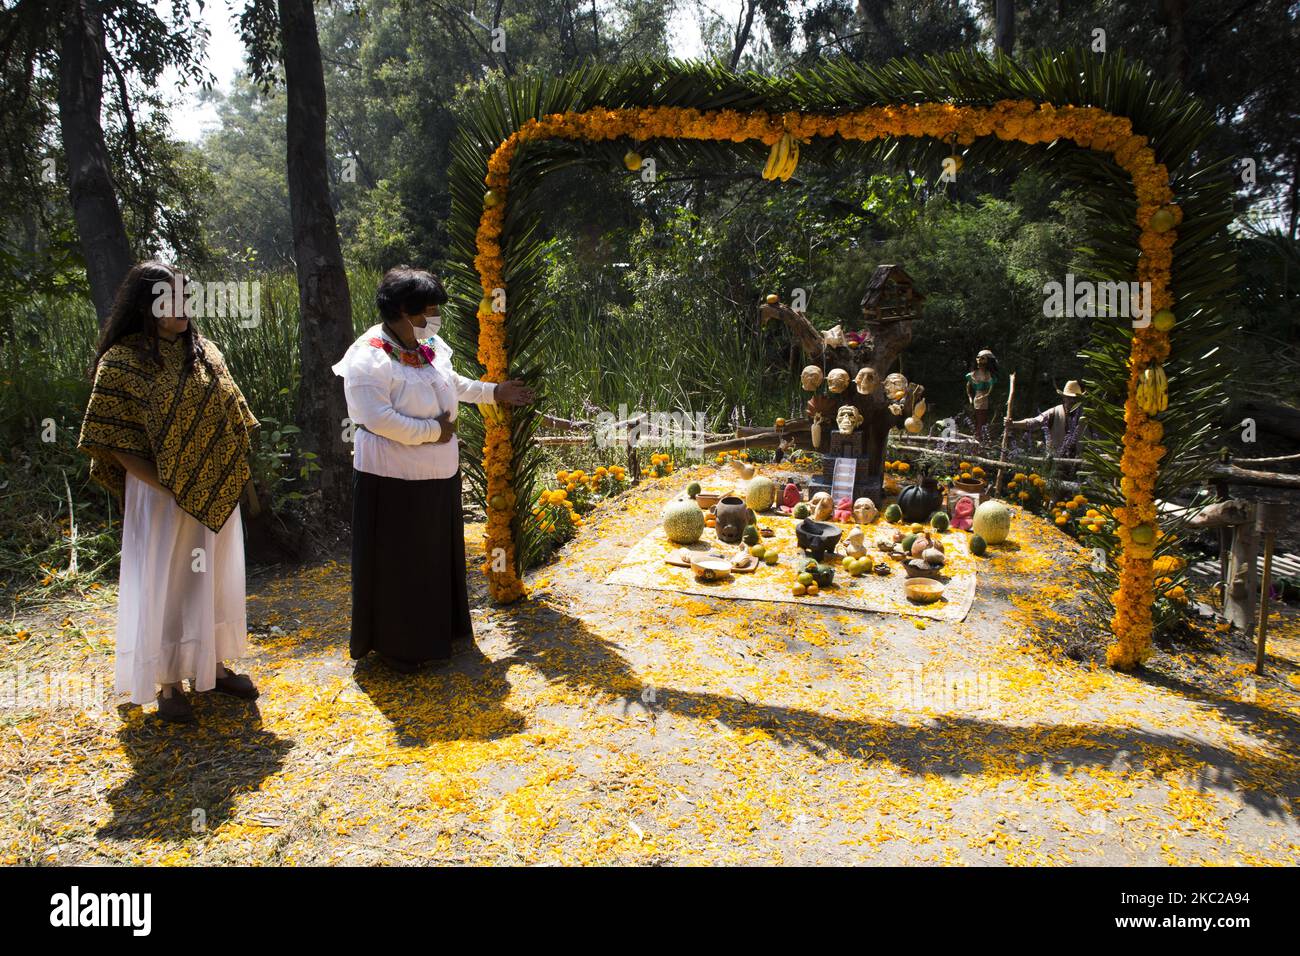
644,567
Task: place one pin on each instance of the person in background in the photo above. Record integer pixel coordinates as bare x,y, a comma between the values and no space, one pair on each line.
980,381
409,597
1062,425
167,430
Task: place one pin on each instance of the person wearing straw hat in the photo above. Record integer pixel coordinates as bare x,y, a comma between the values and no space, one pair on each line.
979,390
1061,424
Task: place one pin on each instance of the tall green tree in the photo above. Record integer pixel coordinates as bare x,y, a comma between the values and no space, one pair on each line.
83,43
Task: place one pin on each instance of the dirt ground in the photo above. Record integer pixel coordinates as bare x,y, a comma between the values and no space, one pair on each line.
604,724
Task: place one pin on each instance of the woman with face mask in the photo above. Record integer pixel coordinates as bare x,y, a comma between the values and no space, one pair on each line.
167,430
409,597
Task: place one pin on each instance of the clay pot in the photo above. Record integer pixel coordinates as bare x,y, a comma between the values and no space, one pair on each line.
707,499
733,515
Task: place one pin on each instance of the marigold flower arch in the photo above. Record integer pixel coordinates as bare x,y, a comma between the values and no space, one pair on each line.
1020,120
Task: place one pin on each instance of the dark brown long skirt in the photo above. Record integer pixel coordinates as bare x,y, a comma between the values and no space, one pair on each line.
409,599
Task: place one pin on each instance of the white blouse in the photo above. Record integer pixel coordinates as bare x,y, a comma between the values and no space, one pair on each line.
397,406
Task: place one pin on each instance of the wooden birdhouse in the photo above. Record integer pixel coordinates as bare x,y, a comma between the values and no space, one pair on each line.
891,297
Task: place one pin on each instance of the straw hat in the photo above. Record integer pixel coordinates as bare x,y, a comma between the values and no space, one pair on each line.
1072,389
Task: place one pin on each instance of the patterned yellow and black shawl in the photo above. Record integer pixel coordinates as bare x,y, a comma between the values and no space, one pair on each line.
193,425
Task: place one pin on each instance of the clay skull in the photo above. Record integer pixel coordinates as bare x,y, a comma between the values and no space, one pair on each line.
838,380
866,381
822,506
848,418
811,378
864,511
895,386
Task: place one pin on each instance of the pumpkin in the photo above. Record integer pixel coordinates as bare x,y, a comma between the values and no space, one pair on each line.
918,502
683,522
992,522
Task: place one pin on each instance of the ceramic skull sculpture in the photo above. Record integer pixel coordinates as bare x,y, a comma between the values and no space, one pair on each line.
848,418
864,511
822,506
838,380
866,381
811,378
895,386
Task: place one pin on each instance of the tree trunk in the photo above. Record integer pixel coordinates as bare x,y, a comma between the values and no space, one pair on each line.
325,304
1004,32
100,227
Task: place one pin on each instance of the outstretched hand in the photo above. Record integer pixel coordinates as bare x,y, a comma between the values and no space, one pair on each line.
514,392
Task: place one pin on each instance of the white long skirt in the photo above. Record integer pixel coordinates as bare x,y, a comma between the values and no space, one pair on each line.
180,595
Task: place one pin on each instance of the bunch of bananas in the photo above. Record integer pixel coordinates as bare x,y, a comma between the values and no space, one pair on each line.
783,158
1153,390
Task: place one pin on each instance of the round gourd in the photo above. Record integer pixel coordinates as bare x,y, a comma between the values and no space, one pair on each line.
801,511
992,522
693,489
683,522
893,513
750,535
939,521
977,545
759,493
906,543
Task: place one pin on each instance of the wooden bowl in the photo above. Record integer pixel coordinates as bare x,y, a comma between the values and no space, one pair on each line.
923,590
711,569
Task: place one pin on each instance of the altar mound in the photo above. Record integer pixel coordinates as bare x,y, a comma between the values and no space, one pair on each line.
645,566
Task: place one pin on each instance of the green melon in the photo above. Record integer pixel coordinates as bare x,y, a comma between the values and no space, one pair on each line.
750,536
992,522
894,513
939,521
693,489
759,493
800,511
906,543
683,522
977,545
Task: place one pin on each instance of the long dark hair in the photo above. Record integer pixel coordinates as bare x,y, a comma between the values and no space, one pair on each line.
132,313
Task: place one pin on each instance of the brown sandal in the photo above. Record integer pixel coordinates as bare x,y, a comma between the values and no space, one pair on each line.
236,685
175,709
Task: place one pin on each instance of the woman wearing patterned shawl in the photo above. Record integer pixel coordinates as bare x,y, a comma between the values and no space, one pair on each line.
167,430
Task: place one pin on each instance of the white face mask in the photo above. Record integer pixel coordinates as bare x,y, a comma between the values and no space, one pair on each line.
432,323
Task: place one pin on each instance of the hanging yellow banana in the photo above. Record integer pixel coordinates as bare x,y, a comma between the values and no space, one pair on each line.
792,159
782,158
1153,390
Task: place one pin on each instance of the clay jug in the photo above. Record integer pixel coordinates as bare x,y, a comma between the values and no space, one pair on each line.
733,516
